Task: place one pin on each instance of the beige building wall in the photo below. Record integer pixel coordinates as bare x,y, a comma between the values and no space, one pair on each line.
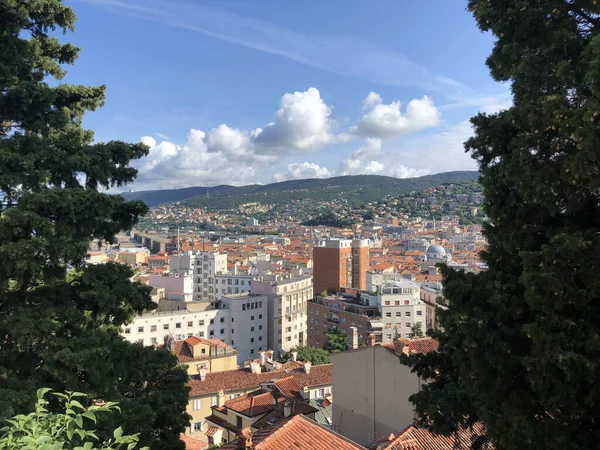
371,390
132,258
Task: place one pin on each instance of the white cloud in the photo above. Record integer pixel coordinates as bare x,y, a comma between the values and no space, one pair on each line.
374,167
298,171
302,122
385,121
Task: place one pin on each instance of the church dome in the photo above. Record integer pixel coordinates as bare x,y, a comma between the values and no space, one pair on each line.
436,249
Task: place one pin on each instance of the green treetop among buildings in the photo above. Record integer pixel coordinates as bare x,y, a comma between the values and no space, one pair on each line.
522,339
59,329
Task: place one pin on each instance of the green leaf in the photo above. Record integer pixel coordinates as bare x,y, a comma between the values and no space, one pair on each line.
42,392
118,433
79,421
89,415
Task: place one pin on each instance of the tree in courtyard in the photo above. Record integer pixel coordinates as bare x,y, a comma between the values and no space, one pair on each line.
336,342
416,331
313,354
521,342
60,319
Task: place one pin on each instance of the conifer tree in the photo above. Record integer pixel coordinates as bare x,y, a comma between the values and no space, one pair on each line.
520,348
60,319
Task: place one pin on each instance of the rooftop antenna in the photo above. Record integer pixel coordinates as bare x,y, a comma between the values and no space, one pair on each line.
178,242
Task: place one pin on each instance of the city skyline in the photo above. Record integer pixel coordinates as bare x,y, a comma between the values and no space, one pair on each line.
368,89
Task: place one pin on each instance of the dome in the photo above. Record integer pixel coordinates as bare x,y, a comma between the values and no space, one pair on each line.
436,249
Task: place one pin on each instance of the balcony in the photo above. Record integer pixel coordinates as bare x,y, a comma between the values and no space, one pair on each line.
334,318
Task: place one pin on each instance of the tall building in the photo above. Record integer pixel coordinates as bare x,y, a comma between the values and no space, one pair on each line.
340,263
288,297
204,266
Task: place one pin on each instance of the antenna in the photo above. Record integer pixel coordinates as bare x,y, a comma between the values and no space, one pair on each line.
178,242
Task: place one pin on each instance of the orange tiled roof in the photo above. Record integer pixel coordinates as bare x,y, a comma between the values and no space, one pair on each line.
191,443
298,433
252,404
413,438
418,345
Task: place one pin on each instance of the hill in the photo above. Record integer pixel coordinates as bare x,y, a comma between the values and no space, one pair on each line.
357,189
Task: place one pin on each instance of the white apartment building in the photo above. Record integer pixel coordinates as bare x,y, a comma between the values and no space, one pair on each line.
194,319
177,286
287,298
248,320
204,267
232,284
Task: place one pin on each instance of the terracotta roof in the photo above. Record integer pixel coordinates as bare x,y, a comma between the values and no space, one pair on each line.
417,345
289,387
252,404
211,431
194,340
297,433
239,379
278,414
191,443
413,438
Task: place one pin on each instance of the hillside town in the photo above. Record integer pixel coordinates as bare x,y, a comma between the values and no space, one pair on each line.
237,308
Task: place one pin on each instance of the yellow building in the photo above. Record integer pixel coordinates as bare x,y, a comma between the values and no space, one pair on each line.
213,355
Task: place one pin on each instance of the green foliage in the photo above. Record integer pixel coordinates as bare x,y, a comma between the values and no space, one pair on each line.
416,331
43,430
336,342
328,219
356,189
314,355
324,293
521,342
60,319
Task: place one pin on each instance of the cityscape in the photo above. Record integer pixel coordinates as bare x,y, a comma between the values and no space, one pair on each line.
299,225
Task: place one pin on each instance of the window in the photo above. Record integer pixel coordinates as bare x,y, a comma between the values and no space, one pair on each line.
407,313
212,321
232,320
388,314
211,333
201,323
213,401
229,281
406,302
238,421
190,335
407,324
260,304
387,303
222,319
388,336
260,315
232,331
190,324
252,340
197,405
343,320
244,307
251,329
153,328
201,334
317,321
178,325
252,351
165,326
398,314
153,341
260,327
222,330
198,426
325,315
260,338
419,313
203,351
140,329
251,317
127,330
397,303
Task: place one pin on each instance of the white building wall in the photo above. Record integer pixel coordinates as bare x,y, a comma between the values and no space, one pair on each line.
177,287
232,284
154,328
248,323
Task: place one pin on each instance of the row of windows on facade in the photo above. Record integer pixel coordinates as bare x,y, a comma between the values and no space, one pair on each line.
229,280
252,305
190,324
396,302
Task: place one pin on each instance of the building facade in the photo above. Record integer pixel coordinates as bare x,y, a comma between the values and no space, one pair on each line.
340,263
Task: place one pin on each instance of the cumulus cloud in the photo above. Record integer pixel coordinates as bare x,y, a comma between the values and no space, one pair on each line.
302,122
298,171
387,120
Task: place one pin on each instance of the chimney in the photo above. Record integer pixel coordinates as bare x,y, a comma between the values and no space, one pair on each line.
371,340
287,409
245,439
307,365
353,338
294,356
255,367
220,398
202,372
262,356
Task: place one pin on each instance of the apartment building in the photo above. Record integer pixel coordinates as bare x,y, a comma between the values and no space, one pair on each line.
401,308
212,355
232,284
191,319
340,263
339,312
248,322
287,298
203,267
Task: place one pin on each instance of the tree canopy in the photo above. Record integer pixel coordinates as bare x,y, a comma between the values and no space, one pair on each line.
60,319
521,342
336,342
313,354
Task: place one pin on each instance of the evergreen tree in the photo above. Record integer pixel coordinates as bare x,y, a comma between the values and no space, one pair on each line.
336,342
60,319
521,342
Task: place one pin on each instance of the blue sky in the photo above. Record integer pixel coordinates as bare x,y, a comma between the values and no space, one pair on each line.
239,91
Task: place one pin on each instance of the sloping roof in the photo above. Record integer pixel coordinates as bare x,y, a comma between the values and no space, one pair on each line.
252,404
297,433
240,379
192,444
413,438
289,387
278,414
419,345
